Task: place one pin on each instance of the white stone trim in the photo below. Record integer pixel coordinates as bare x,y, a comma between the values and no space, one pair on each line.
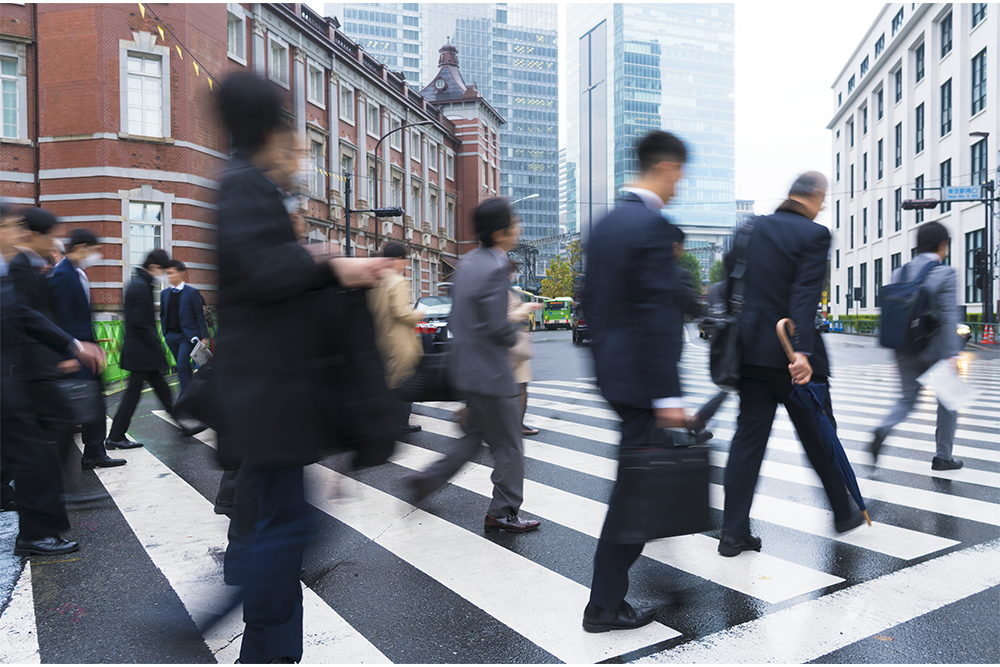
193,223
25,201
123,172
199,265
194,244
144,43
16,177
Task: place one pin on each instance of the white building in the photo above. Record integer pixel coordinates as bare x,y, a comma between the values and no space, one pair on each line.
923,78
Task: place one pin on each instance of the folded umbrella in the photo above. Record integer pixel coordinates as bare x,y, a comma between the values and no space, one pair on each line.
813,397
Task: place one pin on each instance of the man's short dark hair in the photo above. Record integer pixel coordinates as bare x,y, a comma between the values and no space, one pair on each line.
492,215
176,265
80,236
159,257
930,236
394,250
659,146
251,109
39,220
808,184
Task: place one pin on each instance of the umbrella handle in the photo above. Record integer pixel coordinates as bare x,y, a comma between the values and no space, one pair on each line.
786,344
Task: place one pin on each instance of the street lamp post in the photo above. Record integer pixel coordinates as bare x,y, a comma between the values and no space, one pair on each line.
378,233
531,196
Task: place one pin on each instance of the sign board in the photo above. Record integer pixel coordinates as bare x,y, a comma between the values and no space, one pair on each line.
962,193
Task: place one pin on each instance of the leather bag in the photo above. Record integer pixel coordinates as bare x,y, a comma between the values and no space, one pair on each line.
662,491
83,395
198,398
723,323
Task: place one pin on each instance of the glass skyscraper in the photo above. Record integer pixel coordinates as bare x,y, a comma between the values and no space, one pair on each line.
645,67
509,51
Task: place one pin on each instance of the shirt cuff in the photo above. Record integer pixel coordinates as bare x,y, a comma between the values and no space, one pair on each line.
672,402
75,347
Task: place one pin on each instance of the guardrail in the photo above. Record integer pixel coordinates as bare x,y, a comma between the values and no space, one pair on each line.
110,335
871,328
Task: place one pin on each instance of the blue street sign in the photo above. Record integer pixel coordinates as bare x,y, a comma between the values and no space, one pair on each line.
962,193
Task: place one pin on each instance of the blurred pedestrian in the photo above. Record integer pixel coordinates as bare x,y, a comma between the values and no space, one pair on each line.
24,456
632,298
70,291
395,320
272,419
182,319
142,354
481,371
521,354
941,283
786,264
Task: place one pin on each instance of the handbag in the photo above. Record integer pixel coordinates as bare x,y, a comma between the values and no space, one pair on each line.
198,398
523,349
662,491
84,397
430,382
723,323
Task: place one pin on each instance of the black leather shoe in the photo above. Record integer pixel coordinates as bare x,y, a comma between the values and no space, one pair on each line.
47,546
701,436
102,461
121,444
625,617
945,464
420,486
855,519
733,546
876,447
192,429
411,428
512,524
224,509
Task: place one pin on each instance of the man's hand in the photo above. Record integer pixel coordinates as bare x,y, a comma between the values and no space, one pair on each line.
532,307
670,417
801,369
359,271
91,356
204,341
68,366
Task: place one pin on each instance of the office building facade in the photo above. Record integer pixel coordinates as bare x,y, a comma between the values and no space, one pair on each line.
910,107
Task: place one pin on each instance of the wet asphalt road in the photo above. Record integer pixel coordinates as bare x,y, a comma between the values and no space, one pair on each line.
122,597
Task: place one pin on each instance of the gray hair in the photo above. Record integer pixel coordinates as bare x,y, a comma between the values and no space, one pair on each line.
808,184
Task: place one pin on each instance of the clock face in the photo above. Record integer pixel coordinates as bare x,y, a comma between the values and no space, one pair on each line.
440,84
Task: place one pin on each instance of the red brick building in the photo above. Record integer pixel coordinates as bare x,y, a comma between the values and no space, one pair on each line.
116,131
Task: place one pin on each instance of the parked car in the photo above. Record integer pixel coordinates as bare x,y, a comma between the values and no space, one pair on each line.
822,324
433,329
581,331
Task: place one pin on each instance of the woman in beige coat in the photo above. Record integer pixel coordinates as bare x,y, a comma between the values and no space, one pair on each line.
520,355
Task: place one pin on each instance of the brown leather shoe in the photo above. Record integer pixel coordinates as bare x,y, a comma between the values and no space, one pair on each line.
512,524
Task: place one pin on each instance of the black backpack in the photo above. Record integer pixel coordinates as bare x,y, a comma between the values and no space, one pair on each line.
907,324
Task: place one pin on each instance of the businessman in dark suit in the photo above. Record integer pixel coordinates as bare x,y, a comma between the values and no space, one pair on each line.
633,299
786,265
481,370
70,290
182,319
24,456
142,355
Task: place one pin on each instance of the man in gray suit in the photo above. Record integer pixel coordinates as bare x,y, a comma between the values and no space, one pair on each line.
933,242
481,371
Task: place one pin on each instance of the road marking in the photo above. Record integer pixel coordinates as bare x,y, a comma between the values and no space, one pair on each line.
815,628
19,639
761,576
180,538
883,538
543,606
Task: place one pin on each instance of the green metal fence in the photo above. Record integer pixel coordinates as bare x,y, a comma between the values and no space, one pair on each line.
110,335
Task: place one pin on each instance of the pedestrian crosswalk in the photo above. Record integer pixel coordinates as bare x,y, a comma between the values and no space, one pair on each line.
394,582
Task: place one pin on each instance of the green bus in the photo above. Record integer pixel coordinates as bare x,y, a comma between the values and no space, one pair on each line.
558,313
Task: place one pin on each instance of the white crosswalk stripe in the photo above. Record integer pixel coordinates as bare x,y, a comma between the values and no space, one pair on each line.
184,538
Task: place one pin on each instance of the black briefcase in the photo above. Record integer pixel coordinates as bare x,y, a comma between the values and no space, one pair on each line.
198,399
430,382
84,398
662,491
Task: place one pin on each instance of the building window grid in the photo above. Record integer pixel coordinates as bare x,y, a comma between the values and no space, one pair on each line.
864,172
374,125
946,107
919,187
837,258
979,82
347,103
145,95
237,37
852,181
898,221
899,145
880,102
918,56
863,284
852,233
978,13
897,21
278,70
895,261
145,226
316,89
881,158
945,182
877,277
838,214
979,174
11,97
946,35
837,168
864,226
919,143
898,80
879,45
317,180
850,287
864,120
973,242
880,218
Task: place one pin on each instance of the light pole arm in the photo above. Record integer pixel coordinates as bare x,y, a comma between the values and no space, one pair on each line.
378,144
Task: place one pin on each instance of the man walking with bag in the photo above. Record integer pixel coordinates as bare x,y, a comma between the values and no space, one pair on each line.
632,299
940,284
482,372
786,257
182,319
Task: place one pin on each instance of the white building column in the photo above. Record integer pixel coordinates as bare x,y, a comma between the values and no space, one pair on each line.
300,92
259,57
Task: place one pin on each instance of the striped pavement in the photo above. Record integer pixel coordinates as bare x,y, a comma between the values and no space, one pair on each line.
387,581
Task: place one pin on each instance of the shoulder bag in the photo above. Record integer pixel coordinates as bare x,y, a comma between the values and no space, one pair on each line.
723,323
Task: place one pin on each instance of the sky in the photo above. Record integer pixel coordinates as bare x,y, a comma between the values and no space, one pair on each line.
787,57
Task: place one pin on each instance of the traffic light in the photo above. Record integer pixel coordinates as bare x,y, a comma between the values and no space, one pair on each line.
917,204
979,272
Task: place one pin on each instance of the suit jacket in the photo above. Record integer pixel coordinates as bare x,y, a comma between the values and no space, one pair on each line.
942,284
786,267
18,323
394,318
70,302
191,313
479,323
633,301
266,350
39,360
141,350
